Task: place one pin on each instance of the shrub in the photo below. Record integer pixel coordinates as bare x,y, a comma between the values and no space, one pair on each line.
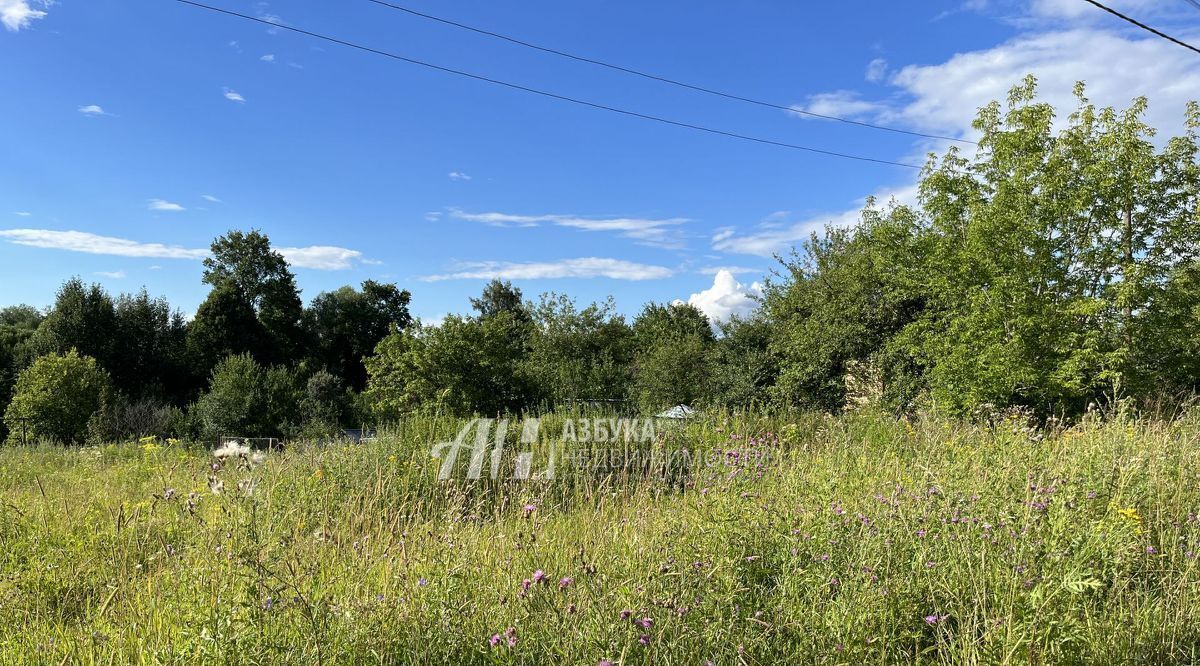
235,403
56,396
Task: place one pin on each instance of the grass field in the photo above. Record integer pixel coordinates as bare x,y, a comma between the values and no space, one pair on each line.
834,540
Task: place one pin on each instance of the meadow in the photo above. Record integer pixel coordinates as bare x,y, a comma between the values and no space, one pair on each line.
801,538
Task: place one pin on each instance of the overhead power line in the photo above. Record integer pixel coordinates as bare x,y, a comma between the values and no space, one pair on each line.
1143,26
1194,3
659,78
543,93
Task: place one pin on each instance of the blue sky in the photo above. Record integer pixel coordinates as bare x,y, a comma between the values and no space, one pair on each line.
132,133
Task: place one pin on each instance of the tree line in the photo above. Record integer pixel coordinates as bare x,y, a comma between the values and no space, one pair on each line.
1055,266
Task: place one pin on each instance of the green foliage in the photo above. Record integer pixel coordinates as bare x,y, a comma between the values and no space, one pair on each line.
237,400
347,324
579,355
55,396
673,364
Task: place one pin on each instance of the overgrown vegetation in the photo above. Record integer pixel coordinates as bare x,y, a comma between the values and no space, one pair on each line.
830,540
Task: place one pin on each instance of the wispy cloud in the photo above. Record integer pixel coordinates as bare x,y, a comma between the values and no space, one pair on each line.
18,14
780,231
321,257
116,275
23,213
876,70
655,232
458,175
163,205
841,104
91,109
586,267
234,96
270,57
317,257
209,197
89,243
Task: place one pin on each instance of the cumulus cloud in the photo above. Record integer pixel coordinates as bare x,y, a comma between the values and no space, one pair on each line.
163,205
321,257
663,233
93,110
234,96
89,243
458,175
18,14
726,298
586,267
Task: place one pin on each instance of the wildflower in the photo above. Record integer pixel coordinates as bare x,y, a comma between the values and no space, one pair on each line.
752,558
1151,550
511,635
565,582
528,510
934,619
494,640
526,583
645,622
539,576
421,582
604,662
625,614
644,639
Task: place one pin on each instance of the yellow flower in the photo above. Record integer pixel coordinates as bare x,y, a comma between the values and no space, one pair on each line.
319,474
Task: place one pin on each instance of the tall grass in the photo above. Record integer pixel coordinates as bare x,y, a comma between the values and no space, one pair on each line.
848,540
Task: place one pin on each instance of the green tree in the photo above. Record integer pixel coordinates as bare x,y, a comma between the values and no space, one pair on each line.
348,324
55,397
83,318
673,358
225,325
244,263
579,354
236,401
149,359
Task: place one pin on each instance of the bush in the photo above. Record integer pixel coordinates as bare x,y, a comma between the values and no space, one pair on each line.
56,396
236,402
120,420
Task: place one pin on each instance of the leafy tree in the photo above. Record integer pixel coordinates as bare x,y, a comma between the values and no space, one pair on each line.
83,318
744,366
55,397
149,359
673,359
244,263
579,354
465,365
500,296
348,324
17,325
225,325
236,401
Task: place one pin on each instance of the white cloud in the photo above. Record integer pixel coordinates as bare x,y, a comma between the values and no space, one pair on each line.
209,197
876,70
116,275
318,257
163,205
233,96
22,213
17,14
727,297
841,104
458,175
92,109
433,216
270,57
89,243
586,267
321,257
654,232
779,231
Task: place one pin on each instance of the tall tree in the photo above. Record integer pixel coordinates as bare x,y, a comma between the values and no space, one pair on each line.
245,262
348,324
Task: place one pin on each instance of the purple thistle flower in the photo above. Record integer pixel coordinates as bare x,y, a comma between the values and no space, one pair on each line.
931,619
528,509
644,639
526,583
539,576
494,640
604,662
625,614
422,582
565,582
646,622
